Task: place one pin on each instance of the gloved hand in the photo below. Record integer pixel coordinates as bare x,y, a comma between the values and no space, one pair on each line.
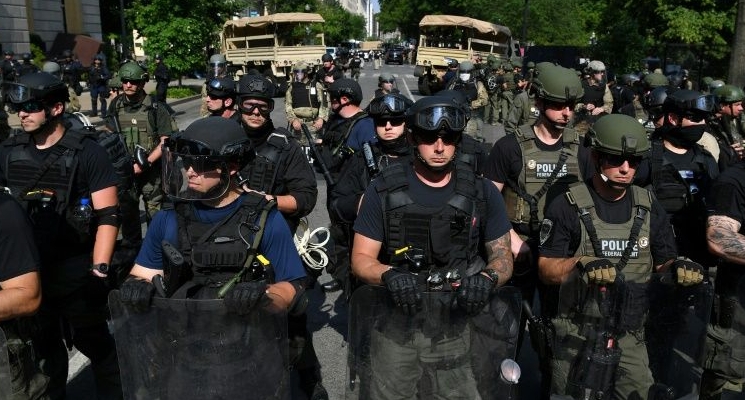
403,288
600,271
137,293
688,272
474,293
245,297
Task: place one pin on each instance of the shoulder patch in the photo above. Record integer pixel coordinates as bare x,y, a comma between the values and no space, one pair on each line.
546,227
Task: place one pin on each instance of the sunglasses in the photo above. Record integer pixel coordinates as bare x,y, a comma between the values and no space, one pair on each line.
132,81
393,121
614,160
386,81
429,138
560,105
27,107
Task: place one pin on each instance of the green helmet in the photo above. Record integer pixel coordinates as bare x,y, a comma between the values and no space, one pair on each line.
556,83
466,66
655,80
618,134
133,71
729,94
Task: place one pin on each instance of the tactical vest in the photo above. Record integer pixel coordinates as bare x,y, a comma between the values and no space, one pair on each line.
612,239
136,122
675,193
525,198
216,252
262,173
302,97
468,89
45,190
446,234
593,94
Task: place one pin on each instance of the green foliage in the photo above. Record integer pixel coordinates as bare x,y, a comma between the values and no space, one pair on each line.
180,92
341,25
37,55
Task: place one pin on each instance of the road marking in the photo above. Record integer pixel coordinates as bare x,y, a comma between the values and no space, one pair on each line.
406,85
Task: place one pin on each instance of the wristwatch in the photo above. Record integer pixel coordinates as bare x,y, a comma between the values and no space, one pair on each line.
492,274
102,268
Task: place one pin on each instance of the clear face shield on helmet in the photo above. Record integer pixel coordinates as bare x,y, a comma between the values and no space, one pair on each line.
217,68
191,171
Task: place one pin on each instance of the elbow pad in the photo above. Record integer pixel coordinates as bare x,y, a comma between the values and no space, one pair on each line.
108,216
300,301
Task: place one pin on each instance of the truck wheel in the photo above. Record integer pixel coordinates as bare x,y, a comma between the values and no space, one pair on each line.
423,85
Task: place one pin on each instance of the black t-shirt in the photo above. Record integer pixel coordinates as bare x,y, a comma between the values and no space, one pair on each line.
370,220
728,194
506,160
18,253
566,233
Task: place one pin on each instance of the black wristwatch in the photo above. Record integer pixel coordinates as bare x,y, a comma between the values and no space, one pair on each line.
102,268
492,274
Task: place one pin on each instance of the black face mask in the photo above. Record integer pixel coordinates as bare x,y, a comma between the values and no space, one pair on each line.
398,146
685,137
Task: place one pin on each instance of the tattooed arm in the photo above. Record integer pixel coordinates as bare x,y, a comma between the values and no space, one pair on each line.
724,239
554,270
499,257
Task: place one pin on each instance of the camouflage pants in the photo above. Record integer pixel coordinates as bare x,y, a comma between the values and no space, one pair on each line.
148,185
475,126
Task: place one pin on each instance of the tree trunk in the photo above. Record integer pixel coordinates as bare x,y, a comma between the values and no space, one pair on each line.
737,59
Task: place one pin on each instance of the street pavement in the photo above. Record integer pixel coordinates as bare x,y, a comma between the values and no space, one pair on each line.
327,311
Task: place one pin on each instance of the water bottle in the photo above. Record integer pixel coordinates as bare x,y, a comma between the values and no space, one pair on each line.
83,211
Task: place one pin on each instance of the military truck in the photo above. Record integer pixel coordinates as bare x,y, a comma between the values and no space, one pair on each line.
443,38
272,43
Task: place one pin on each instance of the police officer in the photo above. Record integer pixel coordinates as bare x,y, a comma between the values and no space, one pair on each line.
26,66
54,171
609,205
162,78
53,68
98,75
523,110
388,113
202,164
145,125
475,92
217,68
329,72
429,184
305,104
493,81
221,98
597,98
724,369
355,66
386,85
71,69
451,73
20,277
8,66
725,124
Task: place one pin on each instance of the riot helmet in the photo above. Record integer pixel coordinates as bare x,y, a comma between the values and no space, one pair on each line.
132,71
217,64
208,147
348,88
32,91
654,100
464,71
715,84
255,87
435,117
327,58
620,135
385,77
690,104
51,67
655,80
390,108
299,71
629,79
596,66
728,94
8,53
222,88
557,84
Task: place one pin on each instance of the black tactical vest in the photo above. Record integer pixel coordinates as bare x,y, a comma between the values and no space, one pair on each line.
49,198
468,89
262,173
675,193
593,94
447,234
302,97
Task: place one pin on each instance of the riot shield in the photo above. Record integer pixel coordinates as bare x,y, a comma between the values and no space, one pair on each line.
5,381
439,353
636,335
195,349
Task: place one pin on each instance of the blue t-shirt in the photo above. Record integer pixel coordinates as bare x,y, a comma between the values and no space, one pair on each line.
276,244
362,131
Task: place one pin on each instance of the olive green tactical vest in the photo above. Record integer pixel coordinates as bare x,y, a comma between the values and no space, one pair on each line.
614,238
137,122
538,166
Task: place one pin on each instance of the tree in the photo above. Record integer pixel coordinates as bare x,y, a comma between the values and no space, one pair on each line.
341,25
736,72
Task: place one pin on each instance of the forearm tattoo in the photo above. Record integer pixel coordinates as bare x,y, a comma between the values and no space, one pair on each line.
722,232
499,257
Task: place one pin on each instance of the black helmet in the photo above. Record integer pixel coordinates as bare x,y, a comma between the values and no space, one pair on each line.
255,87
221,87
690,104
26,56
434,113
327,58
208,144
41,86
8,53
389,106
459,98
346,87
555,83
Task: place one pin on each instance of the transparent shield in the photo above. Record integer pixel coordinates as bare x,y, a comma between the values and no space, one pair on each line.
5,387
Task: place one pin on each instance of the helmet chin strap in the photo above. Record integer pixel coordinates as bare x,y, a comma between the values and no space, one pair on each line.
442,168
610,182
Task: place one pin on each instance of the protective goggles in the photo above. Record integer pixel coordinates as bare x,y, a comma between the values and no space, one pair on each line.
436,118
28,107
388,104
264,108
698,107
17,93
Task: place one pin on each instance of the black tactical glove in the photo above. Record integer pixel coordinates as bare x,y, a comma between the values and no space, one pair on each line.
474,293
403,288
687,272
137,293
600,271
245,297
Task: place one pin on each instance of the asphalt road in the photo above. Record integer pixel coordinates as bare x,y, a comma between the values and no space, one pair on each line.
327,313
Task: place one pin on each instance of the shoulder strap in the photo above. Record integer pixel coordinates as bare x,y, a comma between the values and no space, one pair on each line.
71,141
579,196
643,202
360,115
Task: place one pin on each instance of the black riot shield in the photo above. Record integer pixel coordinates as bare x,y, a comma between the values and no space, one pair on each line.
606,335
5,387
439,353
195,349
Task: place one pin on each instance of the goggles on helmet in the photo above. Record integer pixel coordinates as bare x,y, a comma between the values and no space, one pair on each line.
17,93
388,105
435,119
